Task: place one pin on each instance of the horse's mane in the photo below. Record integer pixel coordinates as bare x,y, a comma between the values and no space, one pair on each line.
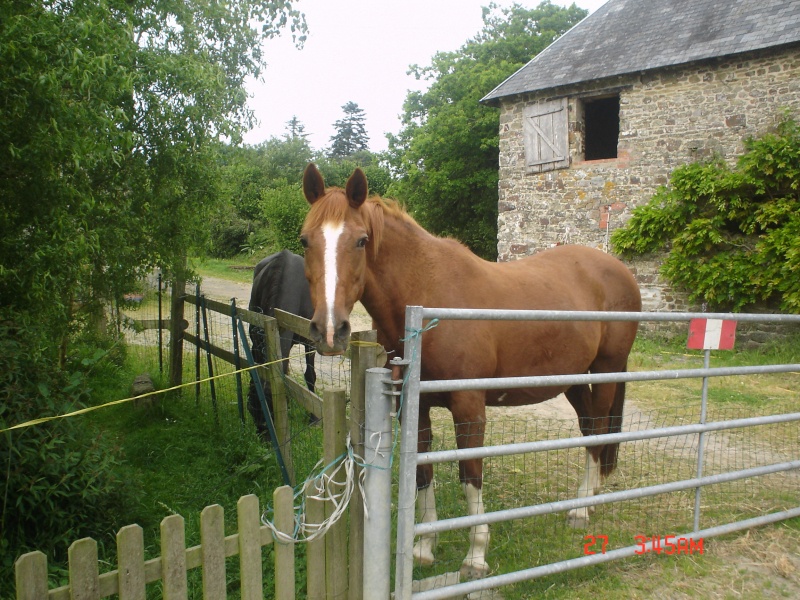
334,205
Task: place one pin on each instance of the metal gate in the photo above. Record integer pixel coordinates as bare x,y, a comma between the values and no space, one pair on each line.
379,388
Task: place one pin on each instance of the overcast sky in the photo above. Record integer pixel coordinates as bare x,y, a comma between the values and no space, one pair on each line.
360,51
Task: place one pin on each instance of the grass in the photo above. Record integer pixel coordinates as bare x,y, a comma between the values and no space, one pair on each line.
180,454
239,268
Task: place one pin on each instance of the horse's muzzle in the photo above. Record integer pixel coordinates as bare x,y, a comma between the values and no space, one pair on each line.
330,342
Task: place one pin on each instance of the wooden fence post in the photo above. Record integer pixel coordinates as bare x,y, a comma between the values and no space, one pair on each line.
130,563
175,330
173,558
280,405
212,543
249,525
334,426
31,576
315,555
283,497
84,578
364,356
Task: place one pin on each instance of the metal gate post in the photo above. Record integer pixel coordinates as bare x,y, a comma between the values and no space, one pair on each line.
701,442
409,418
377,485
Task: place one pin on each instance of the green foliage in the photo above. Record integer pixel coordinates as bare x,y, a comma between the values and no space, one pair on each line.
732,235
113,115
447,153
60,479
228,234
260,207
285,209
258,243
337,171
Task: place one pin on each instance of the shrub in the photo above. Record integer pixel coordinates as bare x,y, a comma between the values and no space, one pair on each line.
285,209
58,479
228,234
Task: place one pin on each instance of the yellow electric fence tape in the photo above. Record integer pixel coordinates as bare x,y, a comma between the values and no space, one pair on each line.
177,387
124,400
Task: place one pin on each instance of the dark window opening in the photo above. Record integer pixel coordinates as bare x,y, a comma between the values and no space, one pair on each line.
601,128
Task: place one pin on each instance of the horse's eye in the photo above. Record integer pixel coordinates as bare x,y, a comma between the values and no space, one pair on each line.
362,242
304,241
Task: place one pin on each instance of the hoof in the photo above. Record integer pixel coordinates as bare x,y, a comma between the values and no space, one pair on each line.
473,570
578,522
578,519
422,558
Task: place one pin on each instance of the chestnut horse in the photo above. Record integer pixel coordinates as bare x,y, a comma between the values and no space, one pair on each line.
373,251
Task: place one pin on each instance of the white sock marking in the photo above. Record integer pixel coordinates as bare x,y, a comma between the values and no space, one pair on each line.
589,487
478,534
426,513
331,233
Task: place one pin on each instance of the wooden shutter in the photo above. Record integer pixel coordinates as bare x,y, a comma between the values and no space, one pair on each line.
546,136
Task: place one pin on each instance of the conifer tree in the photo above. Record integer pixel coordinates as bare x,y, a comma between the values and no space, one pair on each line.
351,134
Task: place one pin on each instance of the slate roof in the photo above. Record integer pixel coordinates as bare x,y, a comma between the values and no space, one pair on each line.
630,36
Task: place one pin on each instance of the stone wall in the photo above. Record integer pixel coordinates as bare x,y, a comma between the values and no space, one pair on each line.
667,118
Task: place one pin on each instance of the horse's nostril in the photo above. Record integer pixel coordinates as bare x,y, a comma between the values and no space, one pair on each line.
314,332
344,329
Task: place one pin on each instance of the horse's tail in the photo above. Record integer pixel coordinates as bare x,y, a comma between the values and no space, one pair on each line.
608,456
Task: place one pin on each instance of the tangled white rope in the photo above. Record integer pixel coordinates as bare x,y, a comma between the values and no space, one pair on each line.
324,487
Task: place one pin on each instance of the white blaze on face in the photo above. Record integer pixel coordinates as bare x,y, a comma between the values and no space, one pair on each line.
331,234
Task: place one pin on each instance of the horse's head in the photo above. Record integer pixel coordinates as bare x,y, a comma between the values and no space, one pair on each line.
335,236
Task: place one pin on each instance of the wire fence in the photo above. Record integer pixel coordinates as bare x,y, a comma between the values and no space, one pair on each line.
218,389
531,479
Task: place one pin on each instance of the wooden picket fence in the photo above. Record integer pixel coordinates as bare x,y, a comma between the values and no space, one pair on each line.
334,562
133,572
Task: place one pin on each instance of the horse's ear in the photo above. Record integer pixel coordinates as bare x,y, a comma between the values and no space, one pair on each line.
356,189
313,183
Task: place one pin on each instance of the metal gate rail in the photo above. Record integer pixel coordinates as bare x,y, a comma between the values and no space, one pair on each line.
409,459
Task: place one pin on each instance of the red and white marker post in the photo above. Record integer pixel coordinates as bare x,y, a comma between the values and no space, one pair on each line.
711,334
708,335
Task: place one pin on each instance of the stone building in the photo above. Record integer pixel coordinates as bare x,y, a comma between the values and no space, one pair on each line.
595,123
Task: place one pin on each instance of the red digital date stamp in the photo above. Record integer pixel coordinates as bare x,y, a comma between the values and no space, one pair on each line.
668,545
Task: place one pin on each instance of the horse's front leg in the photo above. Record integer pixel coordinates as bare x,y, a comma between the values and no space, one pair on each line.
469,416
310,374
426,501
599,411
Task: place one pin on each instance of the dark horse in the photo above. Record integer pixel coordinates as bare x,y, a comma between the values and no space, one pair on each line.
371,250
278,282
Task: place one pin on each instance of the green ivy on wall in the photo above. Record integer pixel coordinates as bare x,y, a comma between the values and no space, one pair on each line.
732,235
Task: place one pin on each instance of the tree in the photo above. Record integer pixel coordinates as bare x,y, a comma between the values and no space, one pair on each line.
351,134
732,236
113,114
295,129
257,183
446,155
